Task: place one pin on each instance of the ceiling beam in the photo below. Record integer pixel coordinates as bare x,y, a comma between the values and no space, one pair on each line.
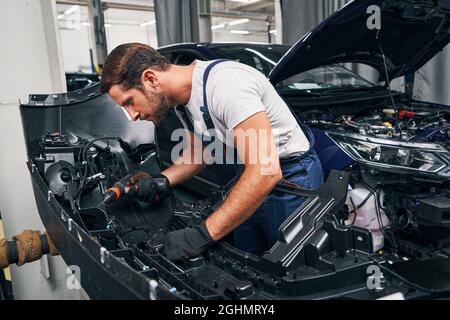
124,6
258,6
241,15
259,16
72,2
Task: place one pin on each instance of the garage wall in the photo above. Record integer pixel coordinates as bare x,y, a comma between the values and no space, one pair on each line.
301,16
177,21
121,26
30,61
130,26
75,46
223,31
432,81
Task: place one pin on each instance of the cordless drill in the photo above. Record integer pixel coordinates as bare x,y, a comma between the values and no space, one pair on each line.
126,185
129,185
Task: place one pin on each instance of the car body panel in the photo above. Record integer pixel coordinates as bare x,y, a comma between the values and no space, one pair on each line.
346,37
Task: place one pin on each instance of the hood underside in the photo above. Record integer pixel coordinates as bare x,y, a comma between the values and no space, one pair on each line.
411,33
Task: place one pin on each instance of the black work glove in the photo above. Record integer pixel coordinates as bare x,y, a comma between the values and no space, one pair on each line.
186,243
153,189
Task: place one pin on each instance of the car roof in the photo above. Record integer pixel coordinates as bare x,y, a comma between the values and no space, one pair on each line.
217,44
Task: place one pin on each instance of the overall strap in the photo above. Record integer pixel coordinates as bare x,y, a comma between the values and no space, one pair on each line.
185,117
205,109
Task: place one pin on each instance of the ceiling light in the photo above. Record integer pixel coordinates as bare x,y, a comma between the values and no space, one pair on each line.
71,10
273,31
108,25
239,21
148,23
239,32
245,1
85,24
218,26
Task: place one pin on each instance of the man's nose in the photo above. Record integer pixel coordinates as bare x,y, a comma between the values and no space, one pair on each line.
133,114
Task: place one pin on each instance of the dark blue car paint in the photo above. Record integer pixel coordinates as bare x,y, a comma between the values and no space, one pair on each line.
412,32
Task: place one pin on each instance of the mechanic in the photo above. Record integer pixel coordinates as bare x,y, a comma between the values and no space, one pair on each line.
225,96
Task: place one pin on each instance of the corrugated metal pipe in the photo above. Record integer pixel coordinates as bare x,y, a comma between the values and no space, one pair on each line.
28,246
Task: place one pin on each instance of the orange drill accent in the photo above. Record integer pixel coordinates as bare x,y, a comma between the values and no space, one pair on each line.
116,191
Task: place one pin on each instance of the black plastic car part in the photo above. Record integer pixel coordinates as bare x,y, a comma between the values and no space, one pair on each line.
75,154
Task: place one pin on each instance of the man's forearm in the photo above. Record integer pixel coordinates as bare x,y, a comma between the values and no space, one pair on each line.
247,195
182,172
187,166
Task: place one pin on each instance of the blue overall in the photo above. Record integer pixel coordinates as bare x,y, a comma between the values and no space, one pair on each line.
260,232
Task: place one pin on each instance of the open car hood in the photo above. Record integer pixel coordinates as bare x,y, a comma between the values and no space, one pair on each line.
412,32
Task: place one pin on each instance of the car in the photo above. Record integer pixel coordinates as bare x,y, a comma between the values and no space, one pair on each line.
378,226
260,56
78,80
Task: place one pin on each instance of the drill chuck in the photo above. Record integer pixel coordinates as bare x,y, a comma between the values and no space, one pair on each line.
126,185
110,196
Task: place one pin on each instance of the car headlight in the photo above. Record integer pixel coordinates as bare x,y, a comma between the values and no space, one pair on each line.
427,158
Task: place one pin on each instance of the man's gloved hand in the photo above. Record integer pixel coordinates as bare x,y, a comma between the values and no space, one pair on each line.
186,243
154,189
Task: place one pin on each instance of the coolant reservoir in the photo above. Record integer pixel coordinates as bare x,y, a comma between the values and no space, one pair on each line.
366,215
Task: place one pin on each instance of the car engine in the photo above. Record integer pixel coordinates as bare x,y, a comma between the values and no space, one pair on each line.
416,123
400,180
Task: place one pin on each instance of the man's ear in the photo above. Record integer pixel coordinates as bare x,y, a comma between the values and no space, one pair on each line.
150,77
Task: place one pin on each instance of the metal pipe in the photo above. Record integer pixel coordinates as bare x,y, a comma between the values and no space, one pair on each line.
28,246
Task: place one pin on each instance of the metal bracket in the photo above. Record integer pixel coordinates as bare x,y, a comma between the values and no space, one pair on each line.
153,284
70,224
103,254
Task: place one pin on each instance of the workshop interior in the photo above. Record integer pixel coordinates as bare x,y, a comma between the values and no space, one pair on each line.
368,79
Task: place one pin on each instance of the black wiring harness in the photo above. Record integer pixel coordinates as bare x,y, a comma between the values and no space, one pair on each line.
84,163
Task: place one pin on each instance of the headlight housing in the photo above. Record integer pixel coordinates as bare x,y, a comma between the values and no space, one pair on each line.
419,158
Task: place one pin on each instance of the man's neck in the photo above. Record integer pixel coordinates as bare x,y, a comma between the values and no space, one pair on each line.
179,83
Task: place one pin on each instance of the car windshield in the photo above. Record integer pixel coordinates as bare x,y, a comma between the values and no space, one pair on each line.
262,58
325,77
265,58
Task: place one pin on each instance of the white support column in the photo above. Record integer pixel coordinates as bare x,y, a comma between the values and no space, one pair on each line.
205,32
31,62
278,22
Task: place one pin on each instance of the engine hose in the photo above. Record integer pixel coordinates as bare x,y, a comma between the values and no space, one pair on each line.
28,246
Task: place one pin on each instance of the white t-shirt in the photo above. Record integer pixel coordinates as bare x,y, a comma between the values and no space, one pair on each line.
236,92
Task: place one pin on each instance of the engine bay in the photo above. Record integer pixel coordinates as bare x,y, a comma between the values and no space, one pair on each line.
400,183
409,123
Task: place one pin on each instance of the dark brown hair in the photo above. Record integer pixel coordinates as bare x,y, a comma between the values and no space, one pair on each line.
125,64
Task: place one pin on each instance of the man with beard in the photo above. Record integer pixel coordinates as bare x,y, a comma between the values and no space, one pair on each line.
233,100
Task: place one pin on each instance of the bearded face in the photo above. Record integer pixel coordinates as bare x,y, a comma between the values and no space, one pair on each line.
160,106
